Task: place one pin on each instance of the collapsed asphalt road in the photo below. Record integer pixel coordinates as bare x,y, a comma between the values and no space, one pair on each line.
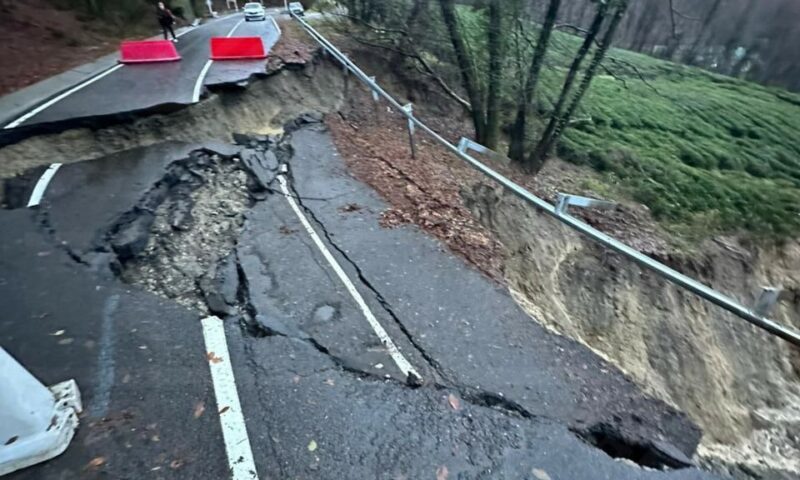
359,352
124,92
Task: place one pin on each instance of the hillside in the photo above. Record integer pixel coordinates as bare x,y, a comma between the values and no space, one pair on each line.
42,38
705,153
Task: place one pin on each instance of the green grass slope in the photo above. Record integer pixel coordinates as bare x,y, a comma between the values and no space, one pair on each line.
705,153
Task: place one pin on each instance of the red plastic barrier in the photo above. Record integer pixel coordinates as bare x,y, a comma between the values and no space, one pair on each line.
237,48
148,51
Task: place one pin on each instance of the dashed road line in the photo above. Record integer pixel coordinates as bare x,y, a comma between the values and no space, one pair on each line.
41,185
235,27
234,430
277,27
198,85
401,362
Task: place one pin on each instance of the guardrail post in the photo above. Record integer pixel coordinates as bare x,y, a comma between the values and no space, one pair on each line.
749,314
375,99
409,108
346,79
769,297
565,201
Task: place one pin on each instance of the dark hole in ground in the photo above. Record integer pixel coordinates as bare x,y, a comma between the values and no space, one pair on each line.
16,191
646,453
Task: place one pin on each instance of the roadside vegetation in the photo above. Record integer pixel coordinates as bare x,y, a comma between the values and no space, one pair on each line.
706,153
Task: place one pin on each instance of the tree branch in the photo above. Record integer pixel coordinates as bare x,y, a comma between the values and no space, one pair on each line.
371,26
427,69
636,71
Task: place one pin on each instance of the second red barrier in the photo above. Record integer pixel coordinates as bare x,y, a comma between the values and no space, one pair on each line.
237,48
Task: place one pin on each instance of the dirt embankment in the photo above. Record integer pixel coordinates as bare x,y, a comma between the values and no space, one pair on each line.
739,383
40,40
301,82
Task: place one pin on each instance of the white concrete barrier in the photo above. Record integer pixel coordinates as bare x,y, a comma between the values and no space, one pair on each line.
36,423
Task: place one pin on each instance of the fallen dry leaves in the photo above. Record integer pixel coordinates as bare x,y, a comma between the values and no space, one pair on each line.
95,463
442,473
540,474
213,358
454,402
427,190
199,409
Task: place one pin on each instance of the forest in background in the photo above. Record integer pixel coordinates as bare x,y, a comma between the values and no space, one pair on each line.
704,149
707,153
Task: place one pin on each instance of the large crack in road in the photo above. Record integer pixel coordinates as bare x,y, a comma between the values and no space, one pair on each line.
206,227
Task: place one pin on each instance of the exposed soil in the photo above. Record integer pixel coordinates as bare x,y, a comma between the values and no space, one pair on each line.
194,226
305,84
741,385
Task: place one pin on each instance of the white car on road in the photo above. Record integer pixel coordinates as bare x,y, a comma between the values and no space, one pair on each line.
254,11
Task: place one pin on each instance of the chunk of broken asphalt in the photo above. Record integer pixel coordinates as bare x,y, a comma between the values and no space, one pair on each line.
262,167
664,453
250,140
223,149
180,213
307,118
131,238
220,292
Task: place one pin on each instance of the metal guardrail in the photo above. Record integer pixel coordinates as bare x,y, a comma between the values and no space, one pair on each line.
755,315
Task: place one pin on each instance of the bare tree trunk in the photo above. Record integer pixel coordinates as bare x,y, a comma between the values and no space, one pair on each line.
516,149
416,10
469,74
727,63
586,82
644,29
691,55
496,43
538,156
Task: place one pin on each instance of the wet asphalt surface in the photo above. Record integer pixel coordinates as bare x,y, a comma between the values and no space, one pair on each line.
322,398
145,88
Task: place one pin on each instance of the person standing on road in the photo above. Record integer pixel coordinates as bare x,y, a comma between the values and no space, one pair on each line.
166,19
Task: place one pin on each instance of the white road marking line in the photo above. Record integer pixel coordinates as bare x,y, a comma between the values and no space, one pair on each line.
277,27
180,34
198,85
64,95
235,27
394,352
234,430
41,185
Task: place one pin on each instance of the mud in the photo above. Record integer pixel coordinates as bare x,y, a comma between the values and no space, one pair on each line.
741,385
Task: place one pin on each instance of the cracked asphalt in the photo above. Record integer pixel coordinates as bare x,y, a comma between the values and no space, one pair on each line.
154,87
322,397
